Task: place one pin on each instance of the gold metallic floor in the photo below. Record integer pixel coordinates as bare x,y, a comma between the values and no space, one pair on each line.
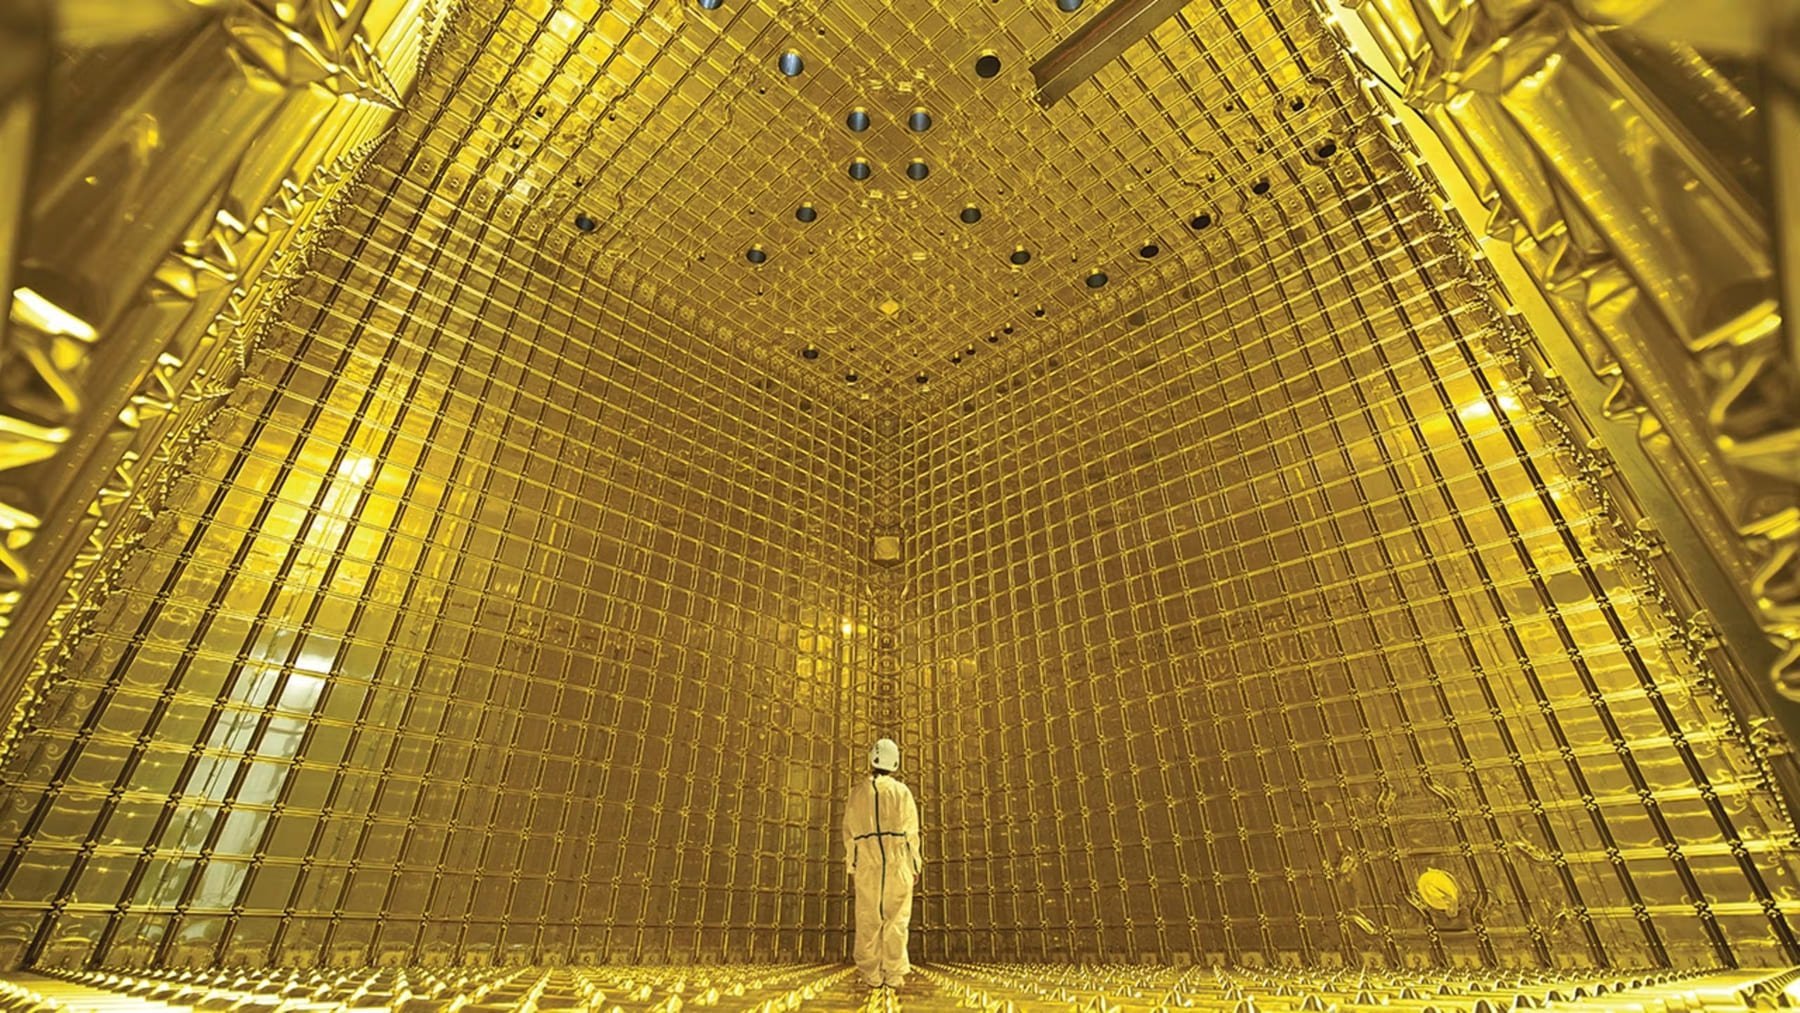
988,987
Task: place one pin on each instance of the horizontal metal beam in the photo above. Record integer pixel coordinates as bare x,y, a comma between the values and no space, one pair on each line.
1099,42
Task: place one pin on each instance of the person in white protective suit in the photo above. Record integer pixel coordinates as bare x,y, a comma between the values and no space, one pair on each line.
881,847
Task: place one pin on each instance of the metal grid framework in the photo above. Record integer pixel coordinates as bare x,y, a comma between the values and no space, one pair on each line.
180,165
1317,642
1632,160
517,605
671,133
500,615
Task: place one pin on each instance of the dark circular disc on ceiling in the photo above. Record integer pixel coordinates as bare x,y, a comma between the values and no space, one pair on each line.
917,169
922,378
1020,257
1200,221
790,63
859,169
1260,187
1097,280
1149,250
850,377
919,121
806,213
970,215
858,120
809,352
1068,6
755,255
711,5
585,223
987,65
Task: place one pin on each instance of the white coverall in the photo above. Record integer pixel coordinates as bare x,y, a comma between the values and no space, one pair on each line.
881,846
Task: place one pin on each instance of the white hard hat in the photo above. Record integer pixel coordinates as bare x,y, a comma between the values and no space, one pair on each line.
885,755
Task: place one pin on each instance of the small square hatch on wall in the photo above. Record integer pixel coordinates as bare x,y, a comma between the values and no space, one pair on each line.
887,548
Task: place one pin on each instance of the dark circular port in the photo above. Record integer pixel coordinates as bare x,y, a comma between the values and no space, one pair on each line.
1199,221
919,121
859,169
755,255
970,215
809,352
1260,187
1326,149
987,65
790,63
917,170
993,338
711,5
850,377
1297,104
1149,250
858,120
585,223
806,213
1039,312
1020,256
1068,6
1097,280
922,378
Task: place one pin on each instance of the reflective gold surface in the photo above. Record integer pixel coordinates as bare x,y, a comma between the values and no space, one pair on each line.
187,151
433,541
1294,524
1622,150
1003,988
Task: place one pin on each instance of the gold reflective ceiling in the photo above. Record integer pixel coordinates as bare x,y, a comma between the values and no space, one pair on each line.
671,132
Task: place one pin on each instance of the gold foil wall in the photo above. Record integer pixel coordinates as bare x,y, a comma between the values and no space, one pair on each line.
1319,640
174,159
499,615
504,582
1639,157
